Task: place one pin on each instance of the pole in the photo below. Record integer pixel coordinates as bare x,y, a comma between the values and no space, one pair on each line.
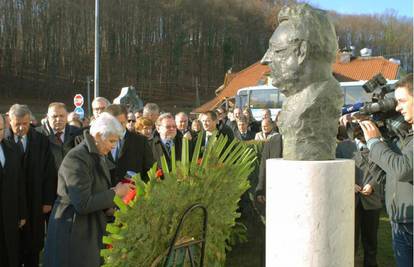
97,50
88,93
197,102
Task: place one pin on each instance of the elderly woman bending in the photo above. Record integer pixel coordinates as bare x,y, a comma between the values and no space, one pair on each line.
78,219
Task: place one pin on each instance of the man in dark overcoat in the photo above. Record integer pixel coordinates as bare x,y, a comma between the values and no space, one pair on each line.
40,180
133,151
61,135
243,133
13,210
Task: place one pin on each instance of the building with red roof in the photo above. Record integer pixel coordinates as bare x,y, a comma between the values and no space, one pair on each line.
345,69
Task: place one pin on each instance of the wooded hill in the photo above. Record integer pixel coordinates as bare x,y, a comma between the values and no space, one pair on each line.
164,48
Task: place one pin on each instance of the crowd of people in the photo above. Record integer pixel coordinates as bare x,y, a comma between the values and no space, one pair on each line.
59,175
59,178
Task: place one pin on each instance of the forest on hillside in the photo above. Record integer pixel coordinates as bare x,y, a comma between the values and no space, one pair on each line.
160,46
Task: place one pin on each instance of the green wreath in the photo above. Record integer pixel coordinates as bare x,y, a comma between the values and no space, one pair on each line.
143,228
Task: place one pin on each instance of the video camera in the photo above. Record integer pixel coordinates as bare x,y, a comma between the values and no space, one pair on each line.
381,110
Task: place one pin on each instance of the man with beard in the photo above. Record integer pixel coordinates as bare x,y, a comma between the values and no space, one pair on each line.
300,55
38,168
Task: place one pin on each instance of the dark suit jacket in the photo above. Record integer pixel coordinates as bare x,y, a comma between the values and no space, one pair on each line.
224,131
135,155
13,206
255,126
158,149
248,136
78,220
59,150
273,148
38,168
348,150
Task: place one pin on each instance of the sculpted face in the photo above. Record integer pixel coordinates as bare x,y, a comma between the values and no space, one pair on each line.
285,57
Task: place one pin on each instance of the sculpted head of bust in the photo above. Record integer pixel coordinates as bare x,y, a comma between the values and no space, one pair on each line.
301,49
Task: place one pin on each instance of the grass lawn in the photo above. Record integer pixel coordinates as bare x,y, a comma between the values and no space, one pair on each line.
249,254
385,254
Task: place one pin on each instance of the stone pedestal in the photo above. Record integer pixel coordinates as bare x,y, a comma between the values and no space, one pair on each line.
310,213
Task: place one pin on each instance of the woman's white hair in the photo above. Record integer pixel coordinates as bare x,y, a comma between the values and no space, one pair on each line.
106,125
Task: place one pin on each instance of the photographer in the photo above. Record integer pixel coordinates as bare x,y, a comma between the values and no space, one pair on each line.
398,166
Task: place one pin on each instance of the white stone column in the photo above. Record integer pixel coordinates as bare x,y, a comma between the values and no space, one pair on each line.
310,213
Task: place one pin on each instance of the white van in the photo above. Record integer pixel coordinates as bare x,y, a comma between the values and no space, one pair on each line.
260,97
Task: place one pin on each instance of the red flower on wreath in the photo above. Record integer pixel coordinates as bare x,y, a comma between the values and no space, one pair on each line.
199,161
130,196
159,173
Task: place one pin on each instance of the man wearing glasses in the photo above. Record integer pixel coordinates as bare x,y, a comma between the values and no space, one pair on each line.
98,106
167,138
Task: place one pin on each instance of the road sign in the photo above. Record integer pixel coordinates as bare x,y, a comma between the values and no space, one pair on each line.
80,112
78,100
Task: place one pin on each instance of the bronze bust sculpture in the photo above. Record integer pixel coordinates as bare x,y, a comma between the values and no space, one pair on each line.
300,55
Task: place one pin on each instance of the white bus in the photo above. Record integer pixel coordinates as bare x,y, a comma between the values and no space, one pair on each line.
260,97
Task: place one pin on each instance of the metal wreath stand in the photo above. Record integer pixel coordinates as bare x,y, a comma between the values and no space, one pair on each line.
187,245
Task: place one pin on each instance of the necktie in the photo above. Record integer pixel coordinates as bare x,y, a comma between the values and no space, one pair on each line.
58,139
20,144
207,140
2,157
168,147
118,148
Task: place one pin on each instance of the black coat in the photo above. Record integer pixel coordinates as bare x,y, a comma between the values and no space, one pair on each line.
38,168
135,155
13,201
255,126
248,136
226,131
59,150
158,149
273,148
78,220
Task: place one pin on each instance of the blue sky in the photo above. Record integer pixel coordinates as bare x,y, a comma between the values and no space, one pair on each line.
403,7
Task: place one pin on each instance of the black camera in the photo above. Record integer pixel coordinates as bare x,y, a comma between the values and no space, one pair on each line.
381,110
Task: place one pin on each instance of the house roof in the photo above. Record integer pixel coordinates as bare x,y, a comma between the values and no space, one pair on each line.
362,68
250,76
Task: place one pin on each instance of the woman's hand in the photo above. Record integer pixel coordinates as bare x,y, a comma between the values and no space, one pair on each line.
122,189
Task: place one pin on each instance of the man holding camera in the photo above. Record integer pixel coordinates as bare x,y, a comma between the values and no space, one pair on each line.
397,163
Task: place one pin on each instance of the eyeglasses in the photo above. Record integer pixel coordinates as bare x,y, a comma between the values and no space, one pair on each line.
169,126
131,121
